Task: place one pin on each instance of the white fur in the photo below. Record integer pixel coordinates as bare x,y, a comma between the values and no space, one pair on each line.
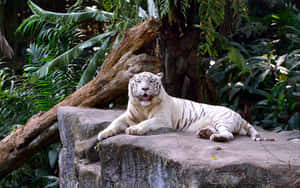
214,122
145,103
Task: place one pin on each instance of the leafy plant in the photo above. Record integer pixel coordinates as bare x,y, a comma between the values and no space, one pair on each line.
69,55
37,172
12,96
93,63
69,18
278,109
211,13
48,26
272,80
207,15
279,106
270,69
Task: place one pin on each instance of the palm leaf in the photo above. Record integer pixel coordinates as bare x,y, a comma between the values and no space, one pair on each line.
69,18
70,55
30,25
89,72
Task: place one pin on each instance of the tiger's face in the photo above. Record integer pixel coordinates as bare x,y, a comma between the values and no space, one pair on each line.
145,86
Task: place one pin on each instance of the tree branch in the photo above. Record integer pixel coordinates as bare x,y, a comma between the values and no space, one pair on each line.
110,83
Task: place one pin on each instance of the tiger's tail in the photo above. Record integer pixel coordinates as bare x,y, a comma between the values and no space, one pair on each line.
255,136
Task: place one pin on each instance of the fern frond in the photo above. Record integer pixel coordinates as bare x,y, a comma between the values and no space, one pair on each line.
184,5
164,7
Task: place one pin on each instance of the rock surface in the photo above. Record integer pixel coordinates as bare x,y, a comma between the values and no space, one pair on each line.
79,164
170,159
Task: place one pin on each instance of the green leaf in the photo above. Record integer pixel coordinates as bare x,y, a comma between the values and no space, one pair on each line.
260,78
70,55
28,24
236,57
276,17
240,47
69,18
92,66
259,92
295,65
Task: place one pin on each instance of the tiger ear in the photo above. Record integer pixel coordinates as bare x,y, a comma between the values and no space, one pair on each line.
160,75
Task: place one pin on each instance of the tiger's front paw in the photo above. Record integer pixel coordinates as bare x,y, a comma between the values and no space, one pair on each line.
134,130
104,134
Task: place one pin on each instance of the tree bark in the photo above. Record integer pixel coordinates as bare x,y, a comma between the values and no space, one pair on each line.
183,67
5,48
110,83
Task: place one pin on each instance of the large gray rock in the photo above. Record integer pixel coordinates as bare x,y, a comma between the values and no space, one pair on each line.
170,159
79,164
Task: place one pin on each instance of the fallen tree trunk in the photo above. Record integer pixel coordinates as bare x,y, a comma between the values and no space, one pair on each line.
110,83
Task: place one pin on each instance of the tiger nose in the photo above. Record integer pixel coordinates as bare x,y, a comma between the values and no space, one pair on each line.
145,88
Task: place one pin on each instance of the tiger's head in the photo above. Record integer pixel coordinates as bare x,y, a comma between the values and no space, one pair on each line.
145,86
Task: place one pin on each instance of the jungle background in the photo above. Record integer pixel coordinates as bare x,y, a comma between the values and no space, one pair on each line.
237,53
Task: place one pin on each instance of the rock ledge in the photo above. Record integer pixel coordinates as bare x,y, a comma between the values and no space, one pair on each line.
170,159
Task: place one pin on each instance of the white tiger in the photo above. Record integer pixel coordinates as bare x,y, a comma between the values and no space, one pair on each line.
150,108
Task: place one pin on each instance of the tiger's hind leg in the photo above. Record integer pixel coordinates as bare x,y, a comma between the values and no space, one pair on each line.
222,135
250,130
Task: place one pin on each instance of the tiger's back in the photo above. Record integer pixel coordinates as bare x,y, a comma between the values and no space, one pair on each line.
190,116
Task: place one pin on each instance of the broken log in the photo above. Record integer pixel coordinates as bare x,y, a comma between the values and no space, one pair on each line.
110,83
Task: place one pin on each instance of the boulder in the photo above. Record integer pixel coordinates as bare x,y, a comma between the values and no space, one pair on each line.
170,159
79,164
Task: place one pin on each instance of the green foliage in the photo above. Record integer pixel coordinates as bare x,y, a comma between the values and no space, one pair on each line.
211,13
278,109
273,80
69,55
262,67
125,14
92,64
51,32
168,7
235,56
207,15
69,18
14,106
37,172
165,8
18,102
